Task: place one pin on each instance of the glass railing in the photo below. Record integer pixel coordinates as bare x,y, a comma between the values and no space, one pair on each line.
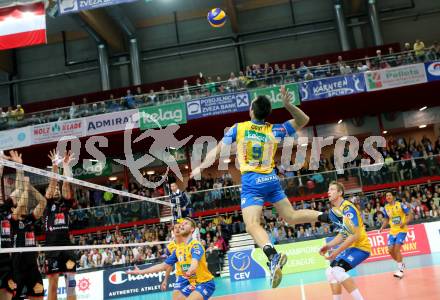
253,77
294,184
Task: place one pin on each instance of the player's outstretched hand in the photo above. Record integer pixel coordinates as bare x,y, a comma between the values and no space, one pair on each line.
285,95
135,271
323,250
331,256
68,158
54,157
163,286
15,156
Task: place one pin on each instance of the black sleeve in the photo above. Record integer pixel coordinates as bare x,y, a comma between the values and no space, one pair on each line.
185,200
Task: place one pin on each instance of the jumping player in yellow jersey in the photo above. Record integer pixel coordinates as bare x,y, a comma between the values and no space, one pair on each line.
398,215
189,258
354,246
256,147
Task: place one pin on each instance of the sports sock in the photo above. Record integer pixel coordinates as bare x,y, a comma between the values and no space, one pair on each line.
400,266
337,297
356,295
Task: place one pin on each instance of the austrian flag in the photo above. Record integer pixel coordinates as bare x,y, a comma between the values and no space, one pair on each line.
22,25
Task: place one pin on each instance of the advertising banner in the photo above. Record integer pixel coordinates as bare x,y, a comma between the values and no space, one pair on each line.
92,170
395,77
332,87
162,115
117,283
416,243
218,105
274,94
301,256
51,132
73,6
88,286
243,267
433,70
111,122
15,138
433,233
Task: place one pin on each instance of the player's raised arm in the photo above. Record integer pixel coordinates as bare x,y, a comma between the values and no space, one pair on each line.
153,269
54,158
300,119
19,177
42,202
67,190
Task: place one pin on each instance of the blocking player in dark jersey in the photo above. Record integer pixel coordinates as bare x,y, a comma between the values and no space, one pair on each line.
24,265
7,284
56,222
9,211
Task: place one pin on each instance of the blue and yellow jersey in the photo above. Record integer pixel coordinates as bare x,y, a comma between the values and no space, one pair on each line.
396,214
257,144
171,248
348,219
182,257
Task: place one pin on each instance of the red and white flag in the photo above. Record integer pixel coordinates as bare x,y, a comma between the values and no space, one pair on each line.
22,25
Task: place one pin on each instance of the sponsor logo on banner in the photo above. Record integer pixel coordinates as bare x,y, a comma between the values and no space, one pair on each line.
72,6
92,170
433,233
217,105
433,70
15,138
163,115
117,283
111,122
331,87
88,286
50,132
395,77
416,243
274,94
243,267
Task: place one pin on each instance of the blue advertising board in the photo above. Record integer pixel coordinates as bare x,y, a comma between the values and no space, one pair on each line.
73,6
331,87
117,283
217,105
433,70
243,267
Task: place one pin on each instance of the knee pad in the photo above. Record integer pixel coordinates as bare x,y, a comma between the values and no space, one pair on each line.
70,284
329,274
339,274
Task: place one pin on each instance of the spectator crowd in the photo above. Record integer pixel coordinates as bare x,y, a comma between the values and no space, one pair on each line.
253,76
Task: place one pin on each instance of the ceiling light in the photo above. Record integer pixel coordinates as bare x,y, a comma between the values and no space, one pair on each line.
186,167
150,173
384,132
304,145
423,108
422,126
340,121
113,178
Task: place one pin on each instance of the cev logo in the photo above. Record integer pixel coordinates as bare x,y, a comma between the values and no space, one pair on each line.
434,69
240,262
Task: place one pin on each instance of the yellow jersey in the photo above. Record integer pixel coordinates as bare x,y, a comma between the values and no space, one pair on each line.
348,219
257,144
183,256
171,247
396,214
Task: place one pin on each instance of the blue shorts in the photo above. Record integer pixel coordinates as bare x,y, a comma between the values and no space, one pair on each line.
396,239
206,289
182,285
258,188
352,256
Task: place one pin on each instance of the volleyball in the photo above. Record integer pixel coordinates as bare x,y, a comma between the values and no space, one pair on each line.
216,17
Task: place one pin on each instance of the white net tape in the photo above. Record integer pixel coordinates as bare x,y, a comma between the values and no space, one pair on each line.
45,173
